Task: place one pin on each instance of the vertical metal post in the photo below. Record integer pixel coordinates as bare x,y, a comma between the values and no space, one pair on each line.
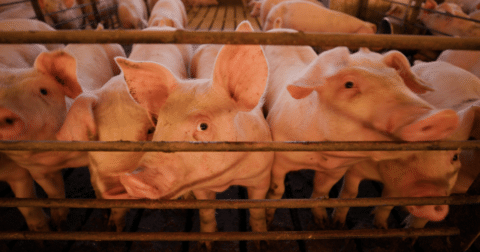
38,10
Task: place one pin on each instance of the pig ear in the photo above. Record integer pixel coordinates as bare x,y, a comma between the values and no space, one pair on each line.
244,26
399,62
242,71
149,83
313,77
430,4
63,68
79,125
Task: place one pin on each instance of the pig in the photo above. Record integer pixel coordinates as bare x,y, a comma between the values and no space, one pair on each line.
468,6
224,107
21,183
465,59
417,174
398,10
261,9
303,16
111,114
35,102
170,13
17,10
132,14
463,91
338,96
65,14
440,24
23,55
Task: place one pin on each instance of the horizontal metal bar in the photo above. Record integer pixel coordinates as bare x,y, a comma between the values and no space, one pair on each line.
224,37
228,236
233,146
239,204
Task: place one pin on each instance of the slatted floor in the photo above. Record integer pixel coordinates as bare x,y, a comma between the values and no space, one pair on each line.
223,17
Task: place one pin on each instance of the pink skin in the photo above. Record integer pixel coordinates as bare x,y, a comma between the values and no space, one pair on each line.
224,108
262,8
132,14
364,96
468,60
418,174
111,114
304,16
34,106
49,6
170,12
446,24
21,183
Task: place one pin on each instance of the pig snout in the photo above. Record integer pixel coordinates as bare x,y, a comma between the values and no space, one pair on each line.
11,125
436,126
430,212
137,184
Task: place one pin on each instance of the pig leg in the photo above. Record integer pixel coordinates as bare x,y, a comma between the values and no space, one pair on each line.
322,183
382,212
349,191
208,223
277,188
117,219
258,221
53,185
23,187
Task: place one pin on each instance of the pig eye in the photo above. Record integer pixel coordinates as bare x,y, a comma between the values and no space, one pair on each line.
349,84
455,157
43,91
202,127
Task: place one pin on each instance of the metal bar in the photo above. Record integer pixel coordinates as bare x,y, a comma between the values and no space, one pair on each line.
228,236
227,37
233,146
239,204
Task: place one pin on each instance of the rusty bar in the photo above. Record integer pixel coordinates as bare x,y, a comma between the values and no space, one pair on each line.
227,37
227,236
233,146
238,204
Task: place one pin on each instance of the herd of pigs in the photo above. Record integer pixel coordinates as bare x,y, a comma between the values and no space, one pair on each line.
171,92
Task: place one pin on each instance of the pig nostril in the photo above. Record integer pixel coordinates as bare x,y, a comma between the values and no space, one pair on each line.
10,121
427,128
438,208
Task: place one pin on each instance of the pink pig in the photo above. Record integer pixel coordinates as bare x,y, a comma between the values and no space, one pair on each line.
310,17
23,55
468,6
440,24
34,105
170,13
262,8
224,107
72,17
111,114
132,14
338,96
468,60
418,174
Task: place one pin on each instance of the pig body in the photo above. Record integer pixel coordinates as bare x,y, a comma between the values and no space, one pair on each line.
468,6
64,15
18,10
225,107
111,114
440,24
261,9
132,14
170,13
321,98
34,105
304,16
23,55
468,60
